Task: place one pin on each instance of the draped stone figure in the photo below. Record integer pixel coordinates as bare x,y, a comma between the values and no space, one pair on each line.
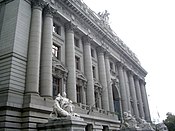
129,121
63,107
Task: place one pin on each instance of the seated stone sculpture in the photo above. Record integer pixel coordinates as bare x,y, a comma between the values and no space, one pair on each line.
144,125
161,127
129,121
62,107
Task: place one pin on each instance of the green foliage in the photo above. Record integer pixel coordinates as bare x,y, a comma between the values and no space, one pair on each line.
170,121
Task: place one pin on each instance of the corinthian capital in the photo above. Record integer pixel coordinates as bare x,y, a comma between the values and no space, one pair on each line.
70,26
37,4
87,39
48,10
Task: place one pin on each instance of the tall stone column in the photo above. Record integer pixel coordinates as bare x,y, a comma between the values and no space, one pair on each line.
33,60
127,89
46,54
145,101
122,88
103,80
88,71
70,62
109,83
138,92
133,94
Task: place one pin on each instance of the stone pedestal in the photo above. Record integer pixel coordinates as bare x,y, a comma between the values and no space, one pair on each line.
63,124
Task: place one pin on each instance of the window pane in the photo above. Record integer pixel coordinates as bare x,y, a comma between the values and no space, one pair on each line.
56,86
56,51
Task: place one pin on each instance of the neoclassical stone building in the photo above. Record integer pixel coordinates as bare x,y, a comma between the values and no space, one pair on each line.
54,46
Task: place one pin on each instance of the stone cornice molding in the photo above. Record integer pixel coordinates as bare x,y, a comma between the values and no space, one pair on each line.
39,4
69,26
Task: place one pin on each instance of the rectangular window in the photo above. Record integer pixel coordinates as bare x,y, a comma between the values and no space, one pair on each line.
96,99
56,86
77,62
92,53
78,94
111,66
76,42
57,29
56,51
94,71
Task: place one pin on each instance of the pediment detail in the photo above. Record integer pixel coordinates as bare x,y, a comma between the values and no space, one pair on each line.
80,76
97,83
58,65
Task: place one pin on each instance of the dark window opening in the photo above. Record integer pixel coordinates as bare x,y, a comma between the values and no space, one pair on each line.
76,42
56,86
93,53
79,94
93,71
77,62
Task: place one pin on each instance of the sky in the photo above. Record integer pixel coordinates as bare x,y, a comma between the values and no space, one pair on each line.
147,27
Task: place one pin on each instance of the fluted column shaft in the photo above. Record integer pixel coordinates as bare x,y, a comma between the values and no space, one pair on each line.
70,62
138,92
33,60
103,80
145,102
122,88
109,84
46,54
88,71
133,95
127,89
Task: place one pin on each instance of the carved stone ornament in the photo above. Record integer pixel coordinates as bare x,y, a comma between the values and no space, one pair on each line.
62,107
129,121
87,39
48,10
70,26
37,3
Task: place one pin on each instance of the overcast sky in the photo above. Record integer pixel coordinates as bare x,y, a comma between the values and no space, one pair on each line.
147,27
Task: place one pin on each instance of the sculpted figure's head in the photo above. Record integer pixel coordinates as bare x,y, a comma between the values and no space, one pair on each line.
64,94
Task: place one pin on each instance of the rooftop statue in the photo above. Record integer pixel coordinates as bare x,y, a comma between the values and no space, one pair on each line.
104,16
63,107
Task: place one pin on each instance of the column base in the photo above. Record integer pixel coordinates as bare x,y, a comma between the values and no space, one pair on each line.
64,124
